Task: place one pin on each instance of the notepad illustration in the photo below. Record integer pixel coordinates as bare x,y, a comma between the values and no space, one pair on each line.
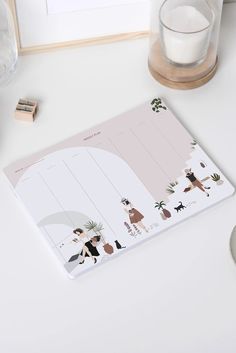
103,191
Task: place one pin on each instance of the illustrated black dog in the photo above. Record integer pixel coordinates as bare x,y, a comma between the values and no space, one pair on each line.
180,207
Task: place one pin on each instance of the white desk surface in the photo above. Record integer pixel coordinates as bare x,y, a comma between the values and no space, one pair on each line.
175,293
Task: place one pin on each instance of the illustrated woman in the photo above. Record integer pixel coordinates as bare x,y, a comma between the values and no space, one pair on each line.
196,182
90,249
80,235
135,216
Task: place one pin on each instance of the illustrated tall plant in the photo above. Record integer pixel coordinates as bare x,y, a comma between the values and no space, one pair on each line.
160,205
129,229
156,104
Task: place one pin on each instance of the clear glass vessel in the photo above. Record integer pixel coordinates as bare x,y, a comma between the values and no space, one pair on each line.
183,41
8,44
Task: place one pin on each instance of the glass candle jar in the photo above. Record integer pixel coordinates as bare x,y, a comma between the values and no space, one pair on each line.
183,41
8,44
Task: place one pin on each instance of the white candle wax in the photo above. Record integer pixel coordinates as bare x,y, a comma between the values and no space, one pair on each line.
186,35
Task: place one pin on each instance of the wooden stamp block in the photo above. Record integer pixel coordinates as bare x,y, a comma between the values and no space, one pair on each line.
26,110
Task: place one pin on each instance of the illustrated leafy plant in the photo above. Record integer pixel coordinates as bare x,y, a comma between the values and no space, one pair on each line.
170,188
160,205
170,191
93,226
99,228
157,105
215,177
193,144
90,225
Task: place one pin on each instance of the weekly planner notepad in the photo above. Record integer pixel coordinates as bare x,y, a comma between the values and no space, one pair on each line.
104,190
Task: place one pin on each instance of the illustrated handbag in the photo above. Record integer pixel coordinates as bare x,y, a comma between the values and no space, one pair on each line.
76,257
108,249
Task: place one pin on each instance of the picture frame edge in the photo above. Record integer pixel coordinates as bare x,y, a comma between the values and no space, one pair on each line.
69,44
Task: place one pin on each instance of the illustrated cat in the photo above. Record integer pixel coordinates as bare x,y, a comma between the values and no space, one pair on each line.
180,207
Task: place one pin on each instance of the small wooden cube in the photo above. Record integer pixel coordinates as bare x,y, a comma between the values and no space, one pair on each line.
26,110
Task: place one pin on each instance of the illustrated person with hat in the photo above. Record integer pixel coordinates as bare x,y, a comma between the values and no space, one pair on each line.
135,216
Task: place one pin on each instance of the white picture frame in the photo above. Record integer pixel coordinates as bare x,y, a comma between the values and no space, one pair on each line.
38,30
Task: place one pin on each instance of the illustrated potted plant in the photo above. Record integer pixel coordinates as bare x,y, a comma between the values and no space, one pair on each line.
160,205
216,178
97,229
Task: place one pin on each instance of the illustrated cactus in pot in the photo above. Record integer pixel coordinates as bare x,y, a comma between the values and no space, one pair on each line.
216,178
160,205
